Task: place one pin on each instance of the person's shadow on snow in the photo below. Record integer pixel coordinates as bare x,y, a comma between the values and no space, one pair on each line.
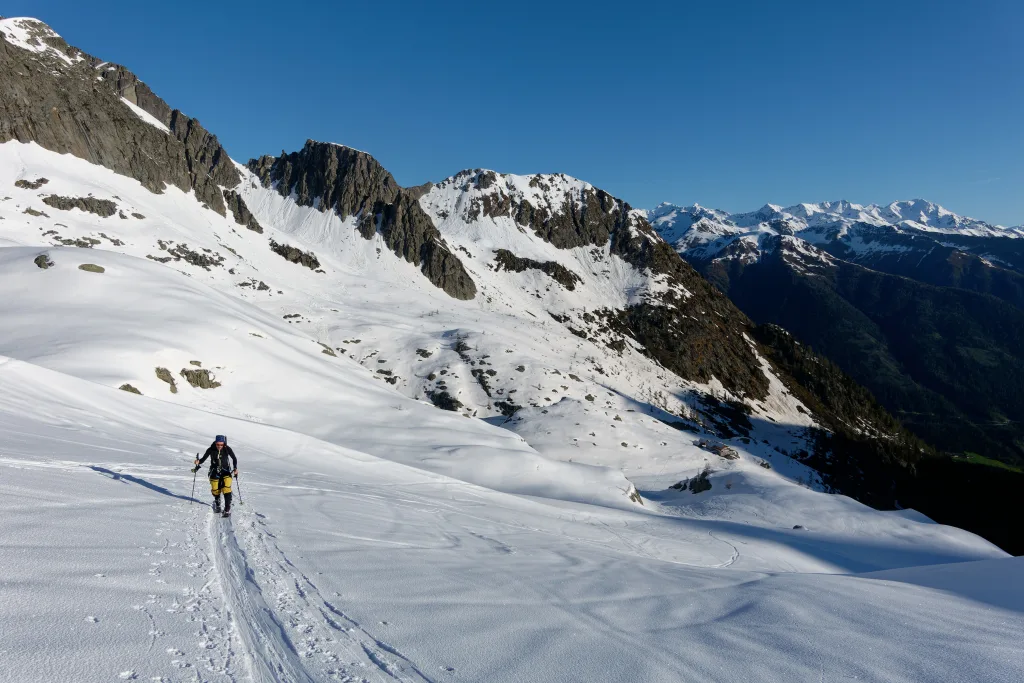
118,476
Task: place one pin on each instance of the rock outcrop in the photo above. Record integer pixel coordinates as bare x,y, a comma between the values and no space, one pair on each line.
352,183
236,205
101,207
295,255
73,103
506,260
684,323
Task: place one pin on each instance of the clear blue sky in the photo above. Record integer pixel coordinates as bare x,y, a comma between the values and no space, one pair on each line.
729,104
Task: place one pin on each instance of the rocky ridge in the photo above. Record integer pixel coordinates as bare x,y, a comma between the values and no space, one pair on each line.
70,102
638,327
352,183
879,298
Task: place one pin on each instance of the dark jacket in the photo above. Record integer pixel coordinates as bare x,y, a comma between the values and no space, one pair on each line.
219,466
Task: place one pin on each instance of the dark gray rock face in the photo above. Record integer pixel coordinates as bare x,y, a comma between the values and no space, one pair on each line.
692,328
100,207
353,183
506,260
238,209
31,184
330,176
409,232
73,106
295,255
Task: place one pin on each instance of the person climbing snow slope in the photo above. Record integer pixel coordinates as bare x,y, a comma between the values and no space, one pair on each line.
220,471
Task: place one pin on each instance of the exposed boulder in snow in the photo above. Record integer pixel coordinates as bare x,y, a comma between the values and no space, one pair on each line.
101,207
199,378
164,375
30,184
295,255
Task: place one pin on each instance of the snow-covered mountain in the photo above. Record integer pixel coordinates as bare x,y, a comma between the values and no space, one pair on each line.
860,229
155,292
915,239
904,282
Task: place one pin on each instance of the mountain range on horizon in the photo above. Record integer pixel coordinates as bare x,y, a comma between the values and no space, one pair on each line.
594,267
494,428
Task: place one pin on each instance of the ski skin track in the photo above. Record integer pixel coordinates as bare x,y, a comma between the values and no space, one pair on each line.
270,653
268,650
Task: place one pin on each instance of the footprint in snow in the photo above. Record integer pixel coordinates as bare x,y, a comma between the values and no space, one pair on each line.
127,676
92,620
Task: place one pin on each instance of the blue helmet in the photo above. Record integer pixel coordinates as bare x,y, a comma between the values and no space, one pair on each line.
221,438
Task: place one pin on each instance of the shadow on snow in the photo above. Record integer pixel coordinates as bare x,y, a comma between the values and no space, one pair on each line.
119,476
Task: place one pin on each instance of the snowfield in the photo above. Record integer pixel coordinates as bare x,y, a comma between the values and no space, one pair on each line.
339,565
383,539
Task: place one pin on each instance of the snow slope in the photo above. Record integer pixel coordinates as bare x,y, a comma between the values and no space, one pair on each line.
381,538
137,316
343,566
378,310
482,561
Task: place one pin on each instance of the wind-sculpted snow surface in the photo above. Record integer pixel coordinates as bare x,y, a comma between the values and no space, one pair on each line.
138,316
525,341
342,566
433,420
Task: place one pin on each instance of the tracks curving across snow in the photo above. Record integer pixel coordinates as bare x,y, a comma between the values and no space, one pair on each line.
298,636
268,650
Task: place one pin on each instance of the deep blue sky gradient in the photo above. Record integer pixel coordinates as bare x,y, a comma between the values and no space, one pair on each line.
729,104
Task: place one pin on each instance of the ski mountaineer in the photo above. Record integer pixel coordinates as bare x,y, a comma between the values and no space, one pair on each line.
220,471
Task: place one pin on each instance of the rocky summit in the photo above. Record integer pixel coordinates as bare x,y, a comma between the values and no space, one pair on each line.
493,428
596,292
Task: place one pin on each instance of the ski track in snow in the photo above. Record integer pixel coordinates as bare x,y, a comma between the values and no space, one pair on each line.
269,652
537,569
299,637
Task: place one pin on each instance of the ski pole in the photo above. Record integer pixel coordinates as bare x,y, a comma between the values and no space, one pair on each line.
194,470
238,488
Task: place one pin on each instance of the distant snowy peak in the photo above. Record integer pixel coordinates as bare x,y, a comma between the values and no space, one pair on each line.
674,222
705,234
915,214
